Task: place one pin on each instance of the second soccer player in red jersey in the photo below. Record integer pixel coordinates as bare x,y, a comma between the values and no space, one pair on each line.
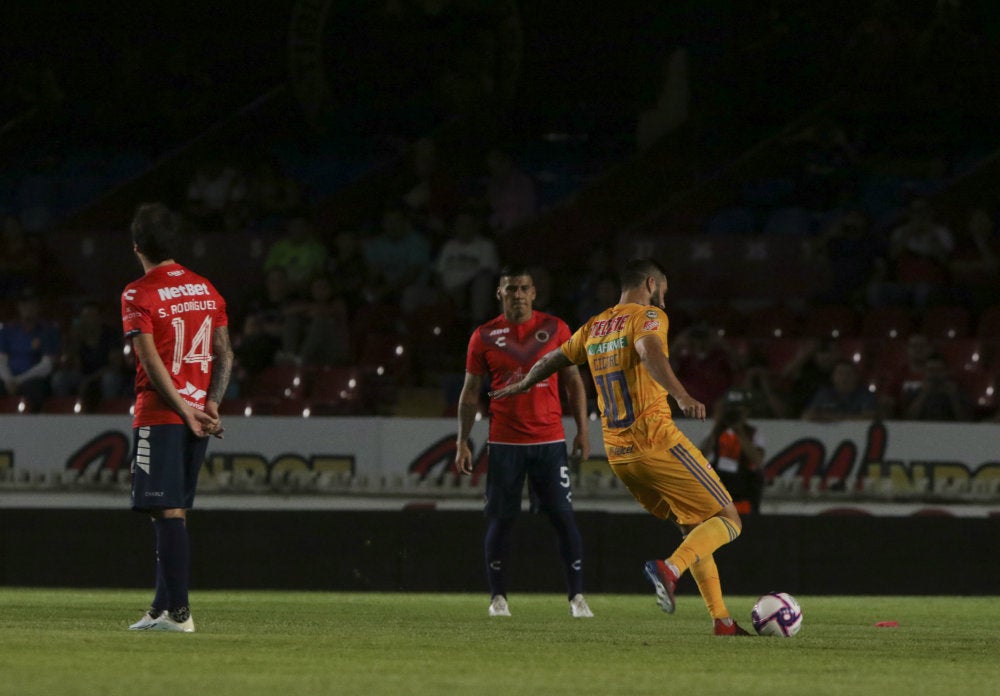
526,437
177,323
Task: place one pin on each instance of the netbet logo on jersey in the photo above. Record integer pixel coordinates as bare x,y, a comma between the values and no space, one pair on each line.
185,290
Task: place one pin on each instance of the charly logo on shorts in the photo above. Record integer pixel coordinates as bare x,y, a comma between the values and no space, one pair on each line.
542,336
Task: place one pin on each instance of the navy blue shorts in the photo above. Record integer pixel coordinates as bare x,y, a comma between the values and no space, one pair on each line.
166,461
546,469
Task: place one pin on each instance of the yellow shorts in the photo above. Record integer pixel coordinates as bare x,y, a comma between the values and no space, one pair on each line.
668,475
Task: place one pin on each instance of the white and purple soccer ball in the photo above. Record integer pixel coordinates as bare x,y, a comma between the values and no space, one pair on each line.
777,614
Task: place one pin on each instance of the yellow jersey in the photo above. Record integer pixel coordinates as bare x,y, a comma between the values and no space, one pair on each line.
625,390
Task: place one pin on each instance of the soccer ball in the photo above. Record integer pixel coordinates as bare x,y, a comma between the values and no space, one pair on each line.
777,614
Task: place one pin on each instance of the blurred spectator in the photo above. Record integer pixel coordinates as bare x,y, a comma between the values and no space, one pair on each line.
348,270
29,351
510,193
590,295
851,248
299,252
975,265
918,260
466,268
316,328
755,392
904,381
704,363
263,331
844,399
271,194
939,397
217,197
735,449
809,370
21,258
92,359
398,257
433,198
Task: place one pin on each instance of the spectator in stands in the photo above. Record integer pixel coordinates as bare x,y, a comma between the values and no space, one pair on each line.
263,329
271,194
90,367
217,196
591,294
510,192
29,352
735,448
844,399
466,268
975,265
755,392
398,257
316,328
809,370
939,397
904,381
21,258
851,248
704,363
348,270
433,197
919,254
299,252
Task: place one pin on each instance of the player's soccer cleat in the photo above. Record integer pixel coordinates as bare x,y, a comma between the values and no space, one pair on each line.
145,622
177,621
498,606
578,608
732,629
664,581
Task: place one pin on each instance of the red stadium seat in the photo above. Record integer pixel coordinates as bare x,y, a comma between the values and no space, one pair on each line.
727,321
278,381
830,321
887,322
117,405
963,354
945,321
14,404
854,349
981,388
338,391
62,405
776,321
386,355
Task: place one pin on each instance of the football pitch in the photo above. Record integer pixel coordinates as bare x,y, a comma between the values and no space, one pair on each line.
301,643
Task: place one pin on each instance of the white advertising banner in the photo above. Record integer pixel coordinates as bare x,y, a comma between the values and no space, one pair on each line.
891,460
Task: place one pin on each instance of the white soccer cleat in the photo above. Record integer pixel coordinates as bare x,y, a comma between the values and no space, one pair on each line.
167,623
498,606
578,608
146,622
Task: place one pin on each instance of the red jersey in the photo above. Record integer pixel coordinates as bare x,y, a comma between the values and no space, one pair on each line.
181,310
505,352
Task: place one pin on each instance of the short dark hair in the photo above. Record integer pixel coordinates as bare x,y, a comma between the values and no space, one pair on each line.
511,270
156,231
636,271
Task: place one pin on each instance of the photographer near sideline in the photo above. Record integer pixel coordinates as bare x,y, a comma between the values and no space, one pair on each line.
735,449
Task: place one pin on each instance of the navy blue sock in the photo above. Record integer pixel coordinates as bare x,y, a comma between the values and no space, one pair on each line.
497,550
570,549
160,598
174,553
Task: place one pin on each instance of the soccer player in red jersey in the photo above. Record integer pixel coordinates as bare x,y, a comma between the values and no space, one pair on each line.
526,435
177,323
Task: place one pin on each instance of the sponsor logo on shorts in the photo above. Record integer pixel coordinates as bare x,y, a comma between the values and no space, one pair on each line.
619,451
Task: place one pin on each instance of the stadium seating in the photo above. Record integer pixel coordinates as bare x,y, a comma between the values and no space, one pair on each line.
338,391
279,381
13,404
62,405
964,354
988,325
830,321
945,321
887,322
775,321
118,405
385,355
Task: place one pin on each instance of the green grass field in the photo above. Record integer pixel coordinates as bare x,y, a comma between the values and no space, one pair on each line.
296,643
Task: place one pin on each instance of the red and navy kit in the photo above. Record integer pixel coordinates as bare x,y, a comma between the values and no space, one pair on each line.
505,352
181,310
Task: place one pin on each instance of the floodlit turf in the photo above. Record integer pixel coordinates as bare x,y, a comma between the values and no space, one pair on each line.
294,644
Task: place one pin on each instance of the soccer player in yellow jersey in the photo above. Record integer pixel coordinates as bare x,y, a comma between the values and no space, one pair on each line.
626,348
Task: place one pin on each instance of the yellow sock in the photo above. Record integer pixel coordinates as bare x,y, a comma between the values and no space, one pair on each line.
702,542
706,574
